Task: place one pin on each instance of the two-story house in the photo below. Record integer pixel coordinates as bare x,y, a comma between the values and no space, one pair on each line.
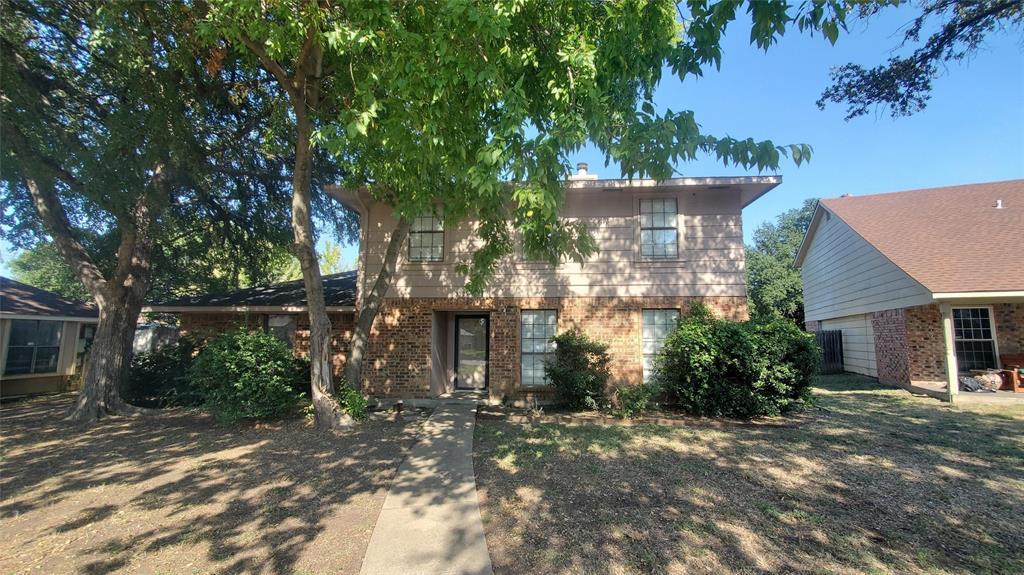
661,246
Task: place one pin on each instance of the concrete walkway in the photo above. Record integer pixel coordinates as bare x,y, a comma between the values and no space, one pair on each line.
430,522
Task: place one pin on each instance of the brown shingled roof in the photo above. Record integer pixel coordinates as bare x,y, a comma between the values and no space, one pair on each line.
949,239
17,298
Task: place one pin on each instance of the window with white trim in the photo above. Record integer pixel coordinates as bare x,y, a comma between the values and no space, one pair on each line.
426,239
537,327
659,234
973,338
657,324
33,346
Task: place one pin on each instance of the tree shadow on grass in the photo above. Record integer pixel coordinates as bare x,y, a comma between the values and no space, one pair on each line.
875,482
177,493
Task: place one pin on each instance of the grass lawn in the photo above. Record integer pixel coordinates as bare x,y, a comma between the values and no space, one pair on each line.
176,493
875,481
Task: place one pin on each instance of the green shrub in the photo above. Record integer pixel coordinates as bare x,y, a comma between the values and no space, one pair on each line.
579,371
161,377
243,375
634,400
351,401
713,367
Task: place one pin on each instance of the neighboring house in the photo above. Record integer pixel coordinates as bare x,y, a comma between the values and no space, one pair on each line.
42,339
923,284
662,245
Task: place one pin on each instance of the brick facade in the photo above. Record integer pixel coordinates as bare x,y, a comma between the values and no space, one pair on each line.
399,355
1009,319
910,346
203,325
893,361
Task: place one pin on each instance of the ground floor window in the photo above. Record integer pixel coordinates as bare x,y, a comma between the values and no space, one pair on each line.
657,324
34,347
974,338
536,329
282,327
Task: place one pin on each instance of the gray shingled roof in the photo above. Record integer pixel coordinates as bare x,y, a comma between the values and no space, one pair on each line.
17,298
339,290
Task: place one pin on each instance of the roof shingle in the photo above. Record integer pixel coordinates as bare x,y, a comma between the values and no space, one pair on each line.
17,298
950,239
339,290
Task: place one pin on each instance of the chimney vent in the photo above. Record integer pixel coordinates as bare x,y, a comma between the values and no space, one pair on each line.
582,173
999,204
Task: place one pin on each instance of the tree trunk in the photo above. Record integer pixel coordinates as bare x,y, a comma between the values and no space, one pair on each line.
119,299
109,359
372,303
328,413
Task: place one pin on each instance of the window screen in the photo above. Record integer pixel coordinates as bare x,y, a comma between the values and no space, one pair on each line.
34,347
536,330
659,236
657,324
426,239
973,338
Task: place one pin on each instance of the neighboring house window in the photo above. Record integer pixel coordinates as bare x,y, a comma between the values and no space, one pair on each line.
426,239
282,327
974,339
535,331
657,324
659,235
34,346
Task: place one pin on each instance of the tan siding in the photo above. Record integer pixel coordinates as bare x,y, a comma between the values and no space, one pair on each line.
858,343
844,275
710,261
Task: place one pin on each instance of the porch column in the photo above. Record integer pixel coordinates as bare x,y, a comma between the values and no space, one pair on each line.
952,381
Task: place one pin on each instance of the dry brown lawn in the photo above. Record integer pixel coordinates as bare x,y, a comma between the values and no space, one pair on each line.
872,481
177,493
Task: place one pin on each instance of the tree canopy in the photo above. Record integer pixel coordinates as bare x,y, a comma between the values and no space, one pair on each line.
774,287
953,31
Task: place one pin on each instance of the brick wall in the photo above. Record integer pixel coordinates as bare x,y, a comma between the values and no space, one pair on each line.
893,361
204,325
1009,318
926,348
399,354
398,361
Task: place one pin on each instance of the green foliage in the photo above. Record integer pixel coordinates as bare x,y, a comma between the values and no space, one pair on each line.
162,377
579,371
351,401
97,98
955,31
634,400
43,267
713,367
774,286
247,375
477,106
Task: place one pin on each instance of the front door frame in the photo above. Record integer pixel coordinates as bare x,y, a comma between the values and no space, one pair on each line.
487,350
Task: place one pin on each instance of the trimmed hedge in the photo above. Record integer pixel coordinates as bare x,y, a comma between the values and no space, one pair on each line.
720,368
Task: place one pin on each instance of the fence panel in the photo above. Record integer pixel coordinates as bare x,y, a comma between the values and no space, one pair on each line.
831,344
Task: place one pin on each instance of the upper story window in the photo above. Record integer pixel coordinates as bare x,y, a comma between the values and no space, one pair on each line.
34,346
426,239
659,234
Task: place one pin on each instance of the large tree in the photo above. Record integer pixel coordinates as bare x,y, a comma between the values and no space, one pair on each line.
952,32
126,143
774,286
473,108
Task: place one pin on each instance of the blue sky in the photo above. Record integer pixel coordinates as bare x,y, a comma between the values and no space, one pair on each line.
972,130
